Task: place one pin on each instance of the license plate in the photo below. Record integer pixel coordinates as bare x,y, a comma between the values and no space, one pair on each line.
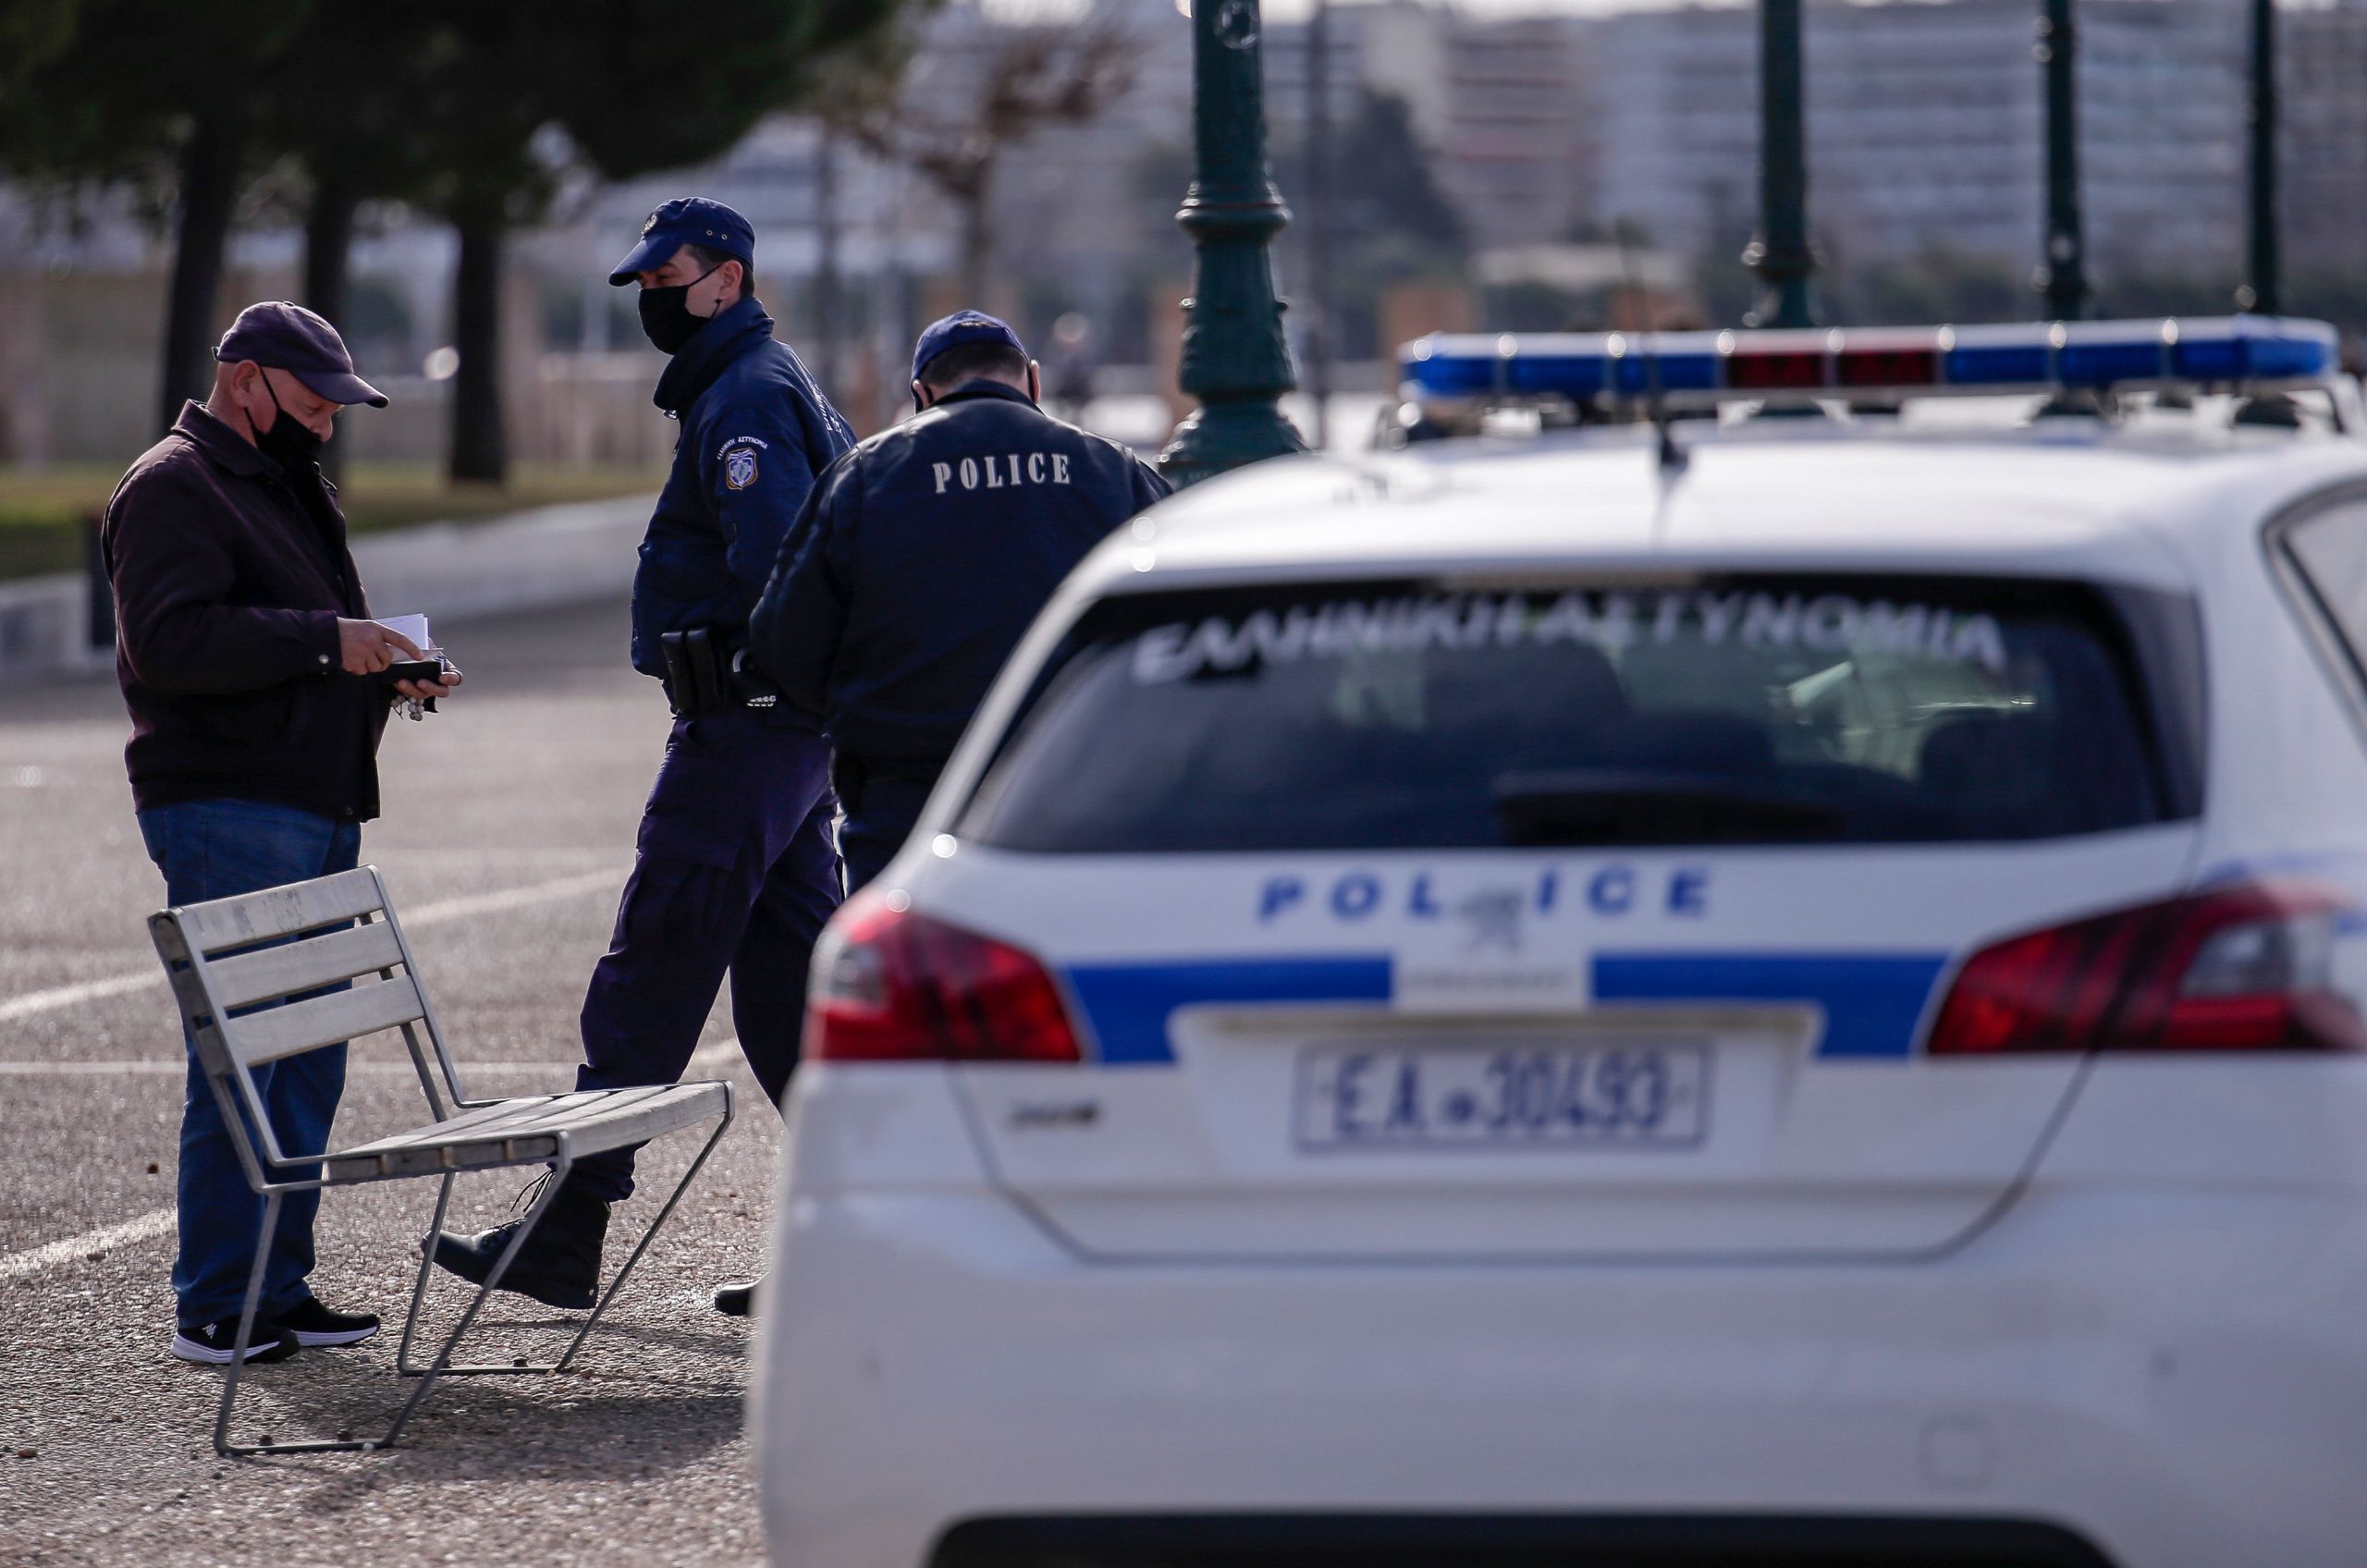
1508,1098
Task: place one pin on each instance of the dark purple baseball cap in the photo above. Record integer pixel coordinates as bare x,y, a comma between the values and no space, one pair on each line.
287,336
687,220
962,326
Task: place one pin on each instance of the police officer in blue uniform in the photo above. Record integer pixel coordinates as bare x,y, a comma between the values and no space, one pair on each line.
736,870
920,559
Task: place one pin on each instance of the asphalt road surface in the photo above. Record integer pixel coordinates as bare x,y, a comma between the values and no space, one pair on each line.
507,833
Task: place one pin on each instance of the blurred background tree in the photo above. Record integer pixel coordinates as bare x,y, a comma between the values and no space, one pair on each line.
950,117
164,96
447,104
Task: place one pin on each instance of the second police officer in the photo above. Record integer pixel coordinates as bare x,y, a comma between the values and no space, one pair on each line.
921,559
735,870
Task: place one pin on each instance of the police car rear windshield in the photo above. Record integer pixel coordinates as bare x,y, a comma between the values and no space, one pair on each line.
1761,710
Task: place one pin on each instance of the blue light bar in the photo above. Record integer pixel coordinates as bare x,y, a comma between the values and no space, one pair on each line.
2250,353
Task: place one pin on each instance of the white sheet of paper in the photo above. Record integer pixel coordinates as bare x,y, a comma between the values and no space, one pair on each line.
411,626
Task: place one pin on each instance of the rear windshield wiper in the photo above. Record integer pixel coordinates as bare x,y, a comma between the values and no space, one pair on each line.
1629,807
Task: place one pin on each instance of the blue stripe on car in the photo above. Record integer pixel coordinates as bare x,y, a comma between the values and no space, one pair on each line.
1129,1004
1871,1001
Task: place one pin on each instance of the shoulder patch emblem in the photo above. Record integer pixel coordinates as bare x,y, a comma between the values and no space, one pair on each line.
739,455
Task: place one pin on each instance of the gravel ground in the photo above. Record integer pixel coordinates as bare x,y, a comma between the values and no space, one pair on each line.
508,830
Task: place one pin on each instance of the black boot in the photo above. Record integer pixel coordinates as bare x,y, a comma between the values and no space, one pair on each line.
738,1300
560,1262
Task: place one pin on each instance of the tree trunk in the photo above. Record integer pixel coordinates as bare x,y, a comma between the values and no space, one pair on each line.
328,245
328,249
480,450
210,163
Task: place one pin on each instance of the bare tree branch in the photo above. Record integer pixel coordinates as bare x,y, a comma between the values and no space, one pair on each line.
949,107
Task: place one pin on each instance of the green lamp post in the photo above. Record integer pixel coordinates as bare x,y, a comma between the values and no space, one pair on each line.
1780,252
2265,292
2062,274
1235,362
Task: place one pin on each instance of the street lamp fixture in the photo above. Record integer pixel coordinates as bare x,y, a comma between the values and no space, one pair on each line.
1235,362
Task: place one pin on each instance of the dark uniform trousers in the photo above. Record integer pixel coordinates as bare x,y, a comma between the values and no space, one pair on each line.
881,809
735,871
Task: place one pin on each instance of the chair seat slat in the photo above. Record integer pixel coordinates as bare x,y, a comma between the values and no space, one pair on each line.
593,1120
269,973
566,1112
300,1026
477,1118
280,911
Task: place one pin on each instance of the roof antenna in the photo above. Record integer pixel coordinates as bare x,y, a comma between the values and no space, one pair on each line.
1671,458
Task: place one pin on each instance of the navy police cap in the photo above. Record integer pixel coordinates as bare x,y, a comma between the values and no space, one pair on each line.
951,332
688,220
281,336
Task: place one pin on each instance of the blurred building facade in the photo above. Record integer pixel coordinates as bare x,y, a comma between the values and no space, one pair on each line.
1542,131
1925,129
2323,65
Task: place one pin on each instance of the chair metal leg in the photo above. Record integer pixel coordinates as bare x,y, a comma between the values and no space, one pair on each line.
443,1362
646,1237
221,1444
427,1269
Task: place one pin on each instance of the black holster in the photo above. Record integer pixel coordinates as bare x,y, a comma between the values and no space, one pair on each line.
695,666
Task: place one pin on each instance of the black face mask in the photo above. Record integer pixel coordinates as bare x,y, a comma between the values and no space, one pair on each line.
666,314
288,443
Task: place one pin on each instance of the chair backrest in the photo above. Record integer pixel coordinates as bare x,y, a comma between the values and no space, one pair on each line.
275,974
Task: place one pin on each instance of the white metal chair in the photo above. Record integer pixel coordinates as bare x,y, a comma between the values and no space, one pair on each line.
272,974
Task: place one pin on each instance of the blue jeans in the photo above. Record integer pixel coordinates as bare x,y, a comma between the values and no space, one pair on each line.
211,850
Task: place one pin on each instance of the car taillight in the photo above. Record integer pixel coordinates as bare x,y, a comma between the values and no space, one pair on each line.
890,986
2240,968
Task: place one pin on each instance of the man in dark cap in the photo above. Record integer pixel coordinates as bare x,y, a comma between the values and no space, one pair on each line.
736,870
921,559
254,677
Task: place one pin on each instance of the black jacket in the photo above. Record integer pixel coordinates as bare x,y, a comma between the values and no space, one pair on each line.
229,578
755,432
920,559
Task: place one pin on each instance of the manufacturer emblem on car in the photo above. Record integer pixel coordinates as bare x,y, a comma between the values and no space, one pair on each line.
1494,914
1054,1113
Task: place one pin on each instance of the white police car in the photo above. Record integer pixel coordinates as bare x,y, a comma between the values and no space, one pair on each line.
1514,1003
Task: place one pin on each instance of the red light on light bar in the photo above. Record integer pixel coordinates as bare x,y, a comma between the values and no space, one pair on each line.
1887,367
1786,370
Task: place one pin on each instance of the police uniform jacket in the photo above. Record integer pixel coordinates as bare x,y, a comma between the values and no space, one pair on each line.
923,555
230,574
755,431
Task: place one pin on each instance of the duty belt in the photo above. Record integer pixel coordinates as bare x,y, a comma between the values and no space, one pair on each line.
705,675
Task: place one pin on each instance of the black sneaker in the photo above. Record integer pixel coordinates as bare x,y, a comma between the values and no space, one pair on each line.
210,1345
738,1300
314,1324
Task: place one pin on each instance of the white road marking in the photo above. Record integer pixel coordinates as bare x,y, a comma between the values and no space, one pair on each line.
514,898
106,1238
69,996
433,913
159,1067
723,1053
159,1222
